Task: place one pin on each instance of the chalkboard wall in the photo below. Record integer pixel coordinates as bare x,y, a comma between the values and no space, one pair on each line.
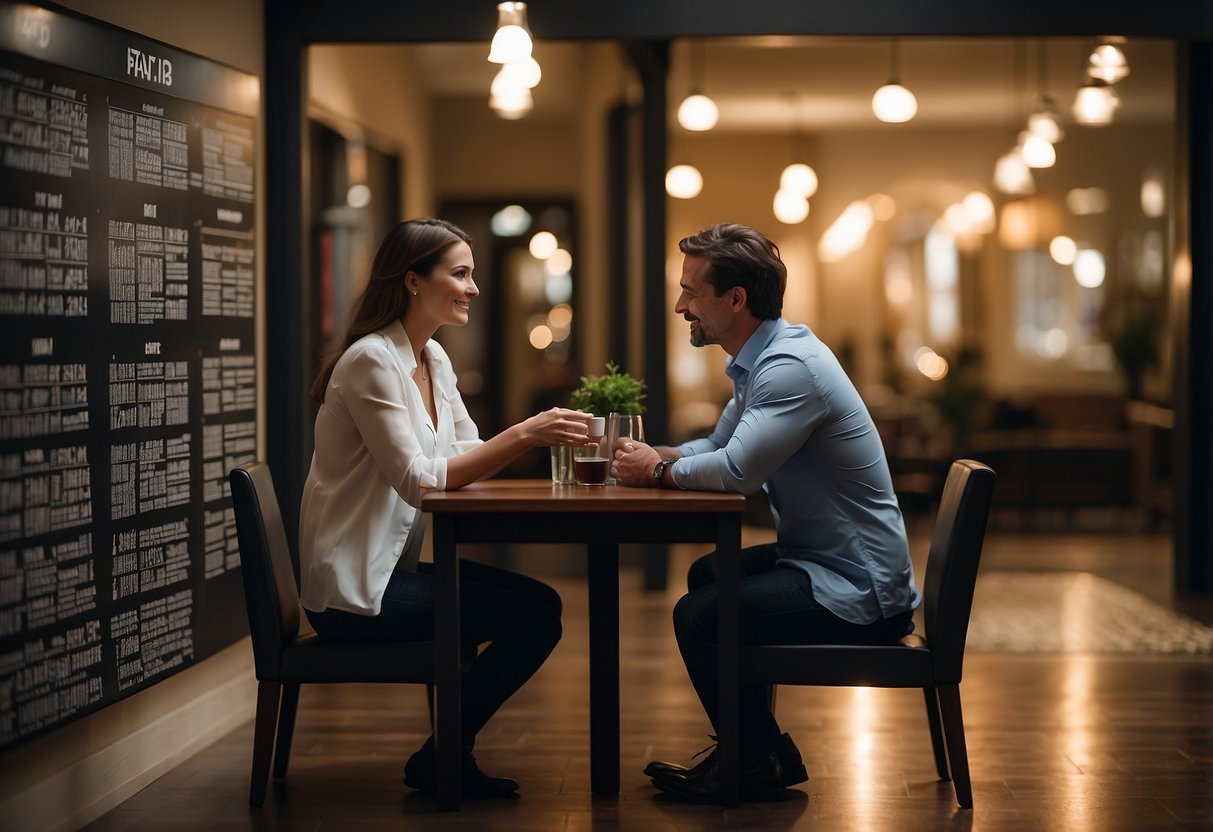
127,360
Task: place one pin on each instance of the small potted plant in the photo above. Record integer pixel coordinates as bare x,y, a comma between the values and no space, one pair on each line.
613,392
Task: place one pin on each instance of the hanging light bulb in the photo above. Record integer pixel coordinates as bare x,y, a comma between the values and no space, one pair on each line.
1045,120
683,182
893,103
798,178
979,210
1095,104
512,41
1012,175
1035,151
697,112
1107,63
790,207
512,103
524,74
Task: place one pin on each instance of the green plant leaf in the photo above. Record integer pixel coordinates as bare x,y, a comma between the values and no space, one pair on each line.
612,392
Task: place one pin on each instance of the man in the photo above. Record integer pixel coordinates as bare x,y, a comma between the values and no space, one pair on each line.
840,570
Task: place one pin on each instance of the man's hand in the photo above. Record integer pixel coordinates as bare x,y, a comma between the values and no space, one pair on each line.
634,462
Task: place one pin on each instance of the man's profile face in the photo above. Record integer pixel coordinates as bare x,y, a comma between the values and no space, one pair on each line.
711,317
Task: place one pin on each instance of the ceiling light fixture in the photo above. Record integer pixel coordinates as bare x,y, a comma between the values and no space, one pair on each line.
1035,151
1012,175
512,41
1044,120
1107,62
1095,104
790,207
683,182
893,103
697,112
510,92
512,104
798,178
797,182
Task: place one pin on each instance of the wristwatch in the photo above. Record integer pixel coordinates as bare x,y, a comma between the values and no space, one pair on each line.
659,471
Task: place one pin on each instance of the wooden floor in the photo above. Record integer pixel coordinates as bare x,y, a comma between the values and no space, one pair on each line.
1070,742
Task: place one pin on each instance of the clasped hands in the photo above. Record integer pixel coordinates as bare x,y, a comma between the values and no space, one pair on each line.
634,462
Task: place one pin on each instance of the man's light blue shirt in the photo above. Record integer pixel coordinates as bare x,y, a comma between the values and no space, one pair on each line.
797,428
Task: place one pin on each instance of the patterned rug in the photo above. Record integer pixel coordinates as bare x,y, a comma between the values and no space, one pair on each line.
1075,612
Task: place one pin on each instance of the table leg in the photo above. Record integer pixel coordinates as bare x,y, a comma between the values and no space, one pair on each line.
603,583
449,704
728,576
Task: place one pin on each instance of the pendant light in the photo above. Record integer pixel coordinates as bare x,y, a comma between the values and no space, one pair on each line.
1095,104
893,103
510,92
1044,120
1107,62
797,182
512,41
683,181
697,112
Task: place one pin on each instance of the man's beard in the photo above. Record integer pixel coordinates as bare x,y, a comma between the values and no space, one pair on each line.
698,339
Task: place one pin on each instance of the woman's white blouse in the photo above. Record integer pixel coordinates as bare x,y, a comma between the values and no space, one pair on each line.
376,454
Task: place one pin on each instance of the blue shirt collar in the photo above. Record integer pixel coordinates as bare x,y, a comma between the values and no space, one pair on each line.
754,346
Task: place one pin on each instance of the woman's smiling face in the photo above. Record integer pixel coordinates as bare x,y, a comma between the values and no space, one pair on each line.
445,296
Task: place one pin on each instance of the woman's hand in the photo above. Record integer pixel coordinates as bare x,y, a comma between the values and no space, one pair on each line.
558,426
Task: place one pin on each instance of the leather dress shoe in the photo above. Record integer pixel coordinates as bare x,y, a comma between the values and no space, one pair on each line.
421,773
656,767
762,778
789,758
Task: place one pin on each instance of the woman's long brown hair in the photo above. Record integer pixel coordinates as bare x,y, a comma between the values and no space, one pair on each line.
412,246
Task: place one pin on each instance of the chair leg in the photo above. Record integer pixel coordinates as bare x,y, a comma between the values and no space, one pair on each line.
936,726
954,735
429,700
286,730
268,696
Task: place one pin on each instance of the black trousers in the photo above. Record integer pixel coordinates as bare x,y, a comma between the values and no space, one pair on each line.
776,606
518,616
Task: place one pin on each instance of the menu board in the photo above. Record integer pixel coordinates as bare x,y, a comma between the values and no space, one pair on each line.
127,360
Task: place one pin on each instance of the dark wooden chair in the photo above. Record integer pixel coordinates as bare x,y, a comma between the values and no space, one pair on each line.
932,660
283,658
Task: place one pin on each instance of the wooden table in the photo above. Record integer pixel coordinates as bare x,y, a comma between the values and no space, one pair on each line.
601,517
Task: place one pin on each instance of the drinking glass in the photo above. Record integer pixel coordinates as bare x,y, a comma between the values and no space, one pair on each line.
562,465
625,426
592,463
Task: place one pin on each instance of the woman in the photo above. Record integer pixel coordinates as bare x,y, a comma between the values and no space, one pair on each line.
392,427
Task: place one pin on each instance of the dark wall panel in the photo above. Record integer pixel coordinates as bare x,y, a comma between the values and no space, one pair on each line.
127,360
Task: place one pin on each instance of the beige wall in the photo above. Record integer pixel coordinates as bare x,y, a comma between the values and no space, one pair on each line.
374,88
75,774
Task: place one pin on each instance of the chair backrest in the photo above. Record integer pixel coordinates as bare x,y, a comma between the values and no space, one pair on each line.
270,595
960,529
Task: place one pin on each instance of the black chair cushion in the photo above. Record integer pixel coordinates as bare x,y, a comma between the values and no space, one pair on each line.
308,659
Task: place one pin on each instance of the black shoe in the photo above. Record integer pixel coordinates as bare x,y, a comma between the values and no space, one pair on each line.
789,758
762,778
421,773
656,767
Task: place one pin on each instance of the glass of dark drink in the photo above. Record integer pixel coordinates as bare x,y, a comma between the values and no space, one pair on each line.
591,470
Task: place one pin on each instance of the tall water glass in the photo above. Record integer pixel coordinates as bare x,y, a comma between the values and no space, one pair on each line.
562,465
625,426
